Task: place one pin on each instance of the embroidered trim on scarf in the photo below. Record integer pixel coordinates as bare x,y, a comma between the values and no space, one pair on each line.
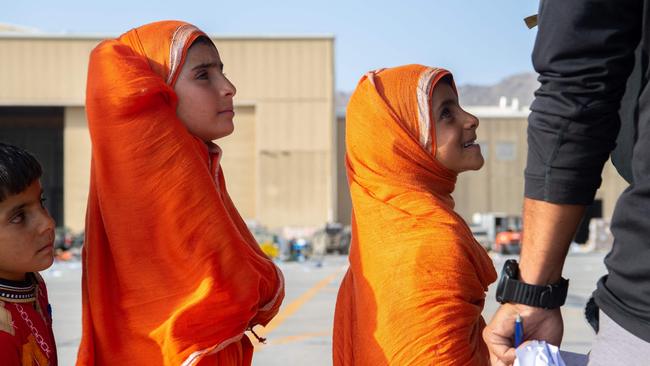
214,149
424,113
179,39
191,360
270,304
370,75
193,357
214,161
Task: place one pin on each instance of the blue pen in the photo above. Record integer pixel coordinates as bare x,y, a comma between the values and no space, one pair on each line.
519,331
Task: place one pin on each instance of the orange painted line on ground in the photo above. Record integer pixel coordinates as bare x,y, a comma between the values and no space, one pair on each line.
294,306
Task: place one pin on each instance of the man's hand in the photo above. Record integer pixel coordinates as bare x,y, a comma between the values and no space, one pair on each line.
548,230
538,324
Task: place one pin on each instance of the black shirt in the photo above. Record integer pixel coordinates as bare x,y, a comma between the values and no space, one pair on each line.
585,56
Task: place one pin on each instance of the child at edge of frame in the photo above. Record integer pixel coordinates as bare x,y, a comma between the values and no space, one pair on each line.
26,247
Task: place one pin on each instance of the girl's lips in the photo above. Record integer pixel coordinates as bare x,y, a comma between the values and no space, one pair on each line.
49,246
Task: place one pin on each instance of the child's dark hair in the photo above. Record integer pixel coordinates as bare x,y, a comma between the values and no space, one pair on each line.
18,170
203,40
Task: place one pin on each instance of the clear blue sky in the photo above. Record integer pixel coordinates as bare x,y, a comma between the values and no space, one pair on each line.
480,41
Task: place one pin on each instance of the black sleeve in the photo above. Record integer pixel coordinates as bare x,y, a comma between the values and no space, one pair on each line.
584,53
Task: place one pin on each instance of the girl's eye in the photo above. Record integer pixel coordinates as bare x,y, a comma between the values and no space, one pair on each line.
445,113
18,218
43,200
202,75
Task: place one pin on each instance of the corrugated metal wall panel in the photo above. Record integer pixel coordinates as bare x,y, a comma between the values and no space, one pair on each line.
612,187
287,70
296,126
292,88
343,199
262,69
76,167
498,186
239,162
294,187
44,72
507,173
472,192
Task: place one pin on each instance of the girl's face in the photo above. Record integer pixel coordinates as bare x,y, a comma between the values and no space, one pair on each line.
456,146
205,94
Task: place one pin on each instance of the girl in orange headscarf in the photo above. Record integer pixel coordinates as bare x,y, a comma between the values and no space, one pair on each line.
416,285
172,276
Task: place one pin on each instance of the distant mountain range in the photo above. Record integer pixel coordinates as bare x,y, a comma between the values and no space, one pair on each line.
520,86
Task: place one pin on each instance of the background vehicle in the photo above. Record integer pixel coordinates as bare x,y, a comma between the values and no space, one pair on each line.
63,238
507,242
334,237
497,231
268,241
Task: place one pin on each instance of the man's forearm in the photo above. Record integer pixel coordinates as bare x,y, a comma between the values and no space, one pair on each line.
548,231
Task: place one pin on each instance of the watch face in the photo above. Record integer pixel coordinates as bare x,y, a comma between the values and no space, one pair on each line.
510,270
500,287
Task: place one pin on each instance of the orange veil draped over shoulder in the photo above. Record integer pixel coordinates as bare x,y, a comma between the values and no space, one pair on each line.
172,275
415,288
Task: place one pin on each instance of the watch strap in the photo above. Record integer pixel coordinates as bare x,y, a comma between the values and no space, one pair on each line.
547,297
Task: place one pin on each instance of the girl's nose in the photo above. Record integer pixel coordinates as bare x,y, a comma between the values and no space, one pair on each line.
228,88
472,121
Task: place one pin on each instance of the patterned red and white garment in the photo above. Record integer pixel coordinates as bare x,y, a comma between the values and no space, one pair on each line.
26,337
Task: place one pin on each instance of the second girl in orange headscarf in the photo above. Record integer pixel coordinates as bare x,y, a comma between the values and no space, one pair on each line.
171,276
415,289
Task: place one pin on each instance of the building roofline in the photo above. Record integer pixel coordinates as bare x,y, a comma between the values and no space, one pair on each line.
497,112
102,36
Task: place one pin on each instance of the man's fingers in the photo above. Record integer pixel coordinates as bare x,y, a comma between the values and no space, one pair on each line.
509,356
505,326
498,335
495,361
500,346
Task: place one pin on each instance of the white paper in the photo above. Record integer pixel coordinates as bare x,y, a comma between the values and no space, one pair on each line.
538,353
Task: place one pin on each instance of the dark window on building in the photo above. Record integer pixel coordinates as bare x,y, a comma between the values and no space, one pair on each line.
40,131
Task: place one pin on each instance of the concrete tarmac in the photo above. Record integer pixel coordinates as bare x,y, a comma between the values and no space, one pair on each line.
301,334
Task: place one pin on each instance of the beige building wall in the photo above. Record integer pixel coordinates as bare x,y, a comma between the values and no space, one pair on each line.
76,167
44,71
344,206
499,185
279,161
239,162
290,83
612,187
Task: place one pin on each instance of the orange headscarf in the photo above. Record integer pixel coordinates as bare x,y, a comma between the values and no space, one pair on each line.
416,285
172,275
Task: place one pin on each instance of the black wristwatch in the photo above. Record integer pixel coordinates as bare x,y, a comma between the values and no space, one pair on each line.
510,289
